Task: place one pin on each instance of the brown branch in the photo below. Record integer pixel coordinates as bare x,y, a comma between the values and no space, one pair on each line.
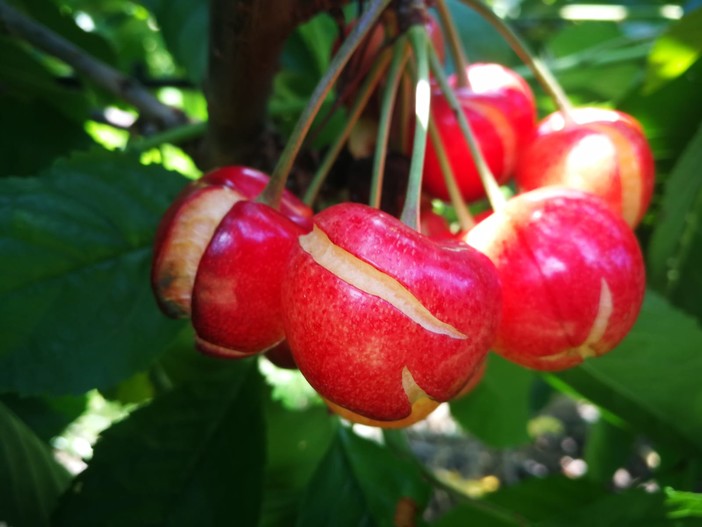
246,41
93,69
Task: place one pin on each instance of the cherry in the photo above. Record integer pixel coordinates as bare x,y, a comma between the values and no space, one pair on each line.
236,307
501,110
572,277
189,223
383,321
603,152
510,93
484,120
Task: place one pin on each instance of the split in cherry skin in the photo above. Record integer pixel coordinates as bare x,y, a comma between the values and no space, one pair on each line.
572,277
381,318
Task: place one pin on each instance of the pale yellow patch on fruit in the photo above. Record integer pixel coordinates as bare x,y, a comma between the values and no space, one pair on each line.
604,312
368,279
629,174
193,229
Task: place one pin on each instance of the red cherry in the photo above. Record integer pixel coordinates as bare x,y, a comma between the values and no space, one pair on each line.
189,223
382,320
603,152
435,226
485,120
236,307
572,277
510,93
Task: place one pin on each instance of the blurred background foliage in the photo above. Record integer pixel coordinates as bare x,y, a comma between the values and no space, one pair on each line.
188,440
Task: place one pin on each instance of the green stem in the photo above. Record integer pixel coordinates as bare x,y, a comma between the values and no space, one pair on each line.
465,219
364,94
492,189
274,190
179,134
420,43
459,57
399,58
541,72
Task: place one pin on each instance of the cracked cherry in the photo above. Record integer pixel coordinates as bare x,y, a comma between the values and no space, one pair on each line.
604,152
572,277
236,308
189,223
384,322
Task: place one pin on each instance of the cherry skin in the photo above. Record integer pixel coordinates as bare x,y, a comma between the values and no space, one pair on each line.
572,277
510,93
484,120
603,152
236,308
506,123
189,223
382,320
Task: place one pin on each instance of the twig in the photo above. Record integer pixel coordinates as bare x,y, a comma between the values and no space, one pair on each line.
93,69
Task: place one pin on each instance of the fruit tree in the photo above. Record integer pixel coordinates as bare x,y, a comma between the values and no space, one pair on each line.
340,263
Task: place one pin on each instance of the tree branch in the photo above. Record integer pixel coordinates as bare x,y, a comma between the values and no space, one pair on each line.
93,69
246,41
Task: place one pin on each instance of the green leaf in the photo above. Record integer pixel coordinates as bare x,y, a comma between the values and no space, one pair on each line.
607,448
31,148
76,308
194,456
480,40
47,417
477,514
675,50
652,379
670,116
24,78
635,507
185,28
531,500
675,248
498,410
30,479
684,504
361,483
296,443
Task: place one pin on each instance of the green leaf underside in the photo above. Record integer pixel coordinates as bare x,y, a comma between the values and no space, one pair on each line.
497,410
634,381
194,456
75,298
30,479
360,483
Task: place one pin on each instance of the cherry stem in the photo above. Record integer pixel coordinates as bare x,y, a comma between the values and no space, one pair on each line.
369,83
460,60
422,102
542,74
465,219
400,54
273,192
492,189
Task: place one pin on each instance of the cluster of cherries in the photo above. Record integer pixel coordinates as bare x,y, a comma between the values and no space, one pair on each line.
386,322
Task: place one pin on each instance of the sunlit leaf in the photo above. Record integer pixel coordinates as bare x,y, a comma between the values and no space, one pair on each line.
675,50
